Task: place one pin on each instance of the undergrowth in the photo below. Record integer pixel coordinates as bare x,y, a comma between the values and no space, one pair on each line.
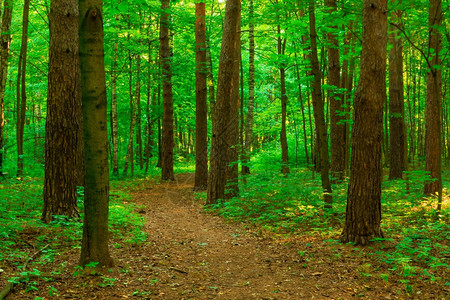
417,238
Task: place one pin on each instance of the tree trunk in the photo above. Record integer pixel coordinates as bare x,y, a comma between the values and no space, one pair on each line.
248,139
201,113
335,98
434,98
283,136
319,117
167,134
114,121
94,247
63,102
21,89
397,151
363,214
129,158
5,41
139,112
223,123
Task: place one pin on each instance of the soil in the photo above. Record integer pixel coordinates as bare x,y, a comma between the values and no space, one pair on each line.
194,254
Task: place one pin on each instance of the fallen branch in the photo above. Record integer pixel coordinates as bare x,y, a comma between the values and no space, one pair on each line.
8,288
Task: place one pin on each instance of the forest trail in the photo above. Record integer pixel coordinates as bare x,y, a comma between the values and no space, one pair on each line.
196,255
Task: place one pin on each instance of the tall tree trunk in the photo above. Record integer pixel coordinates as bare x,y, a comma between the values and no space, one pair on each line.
337,127
129,158
5,41
139,112
283,135
248,139
232,171
302,108
21,89
94,247
223,123
63,104
434,98
167,135
319,117
397,159
201,112
363,214
114,121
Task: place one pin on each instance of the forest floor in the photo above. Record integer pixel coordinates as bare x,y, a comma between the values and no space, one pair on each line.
194,254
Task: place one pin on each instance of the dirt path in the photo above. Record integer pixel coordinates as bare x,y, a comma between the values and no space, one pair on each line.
196,255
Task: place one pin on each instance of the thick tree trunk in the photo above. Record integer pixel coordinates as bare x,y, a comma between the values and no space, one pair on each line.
337,127
319,116
434,98
63,104
363,215
167,134
223,123
21,89
248,135
94,247
5,40
201,113
397,159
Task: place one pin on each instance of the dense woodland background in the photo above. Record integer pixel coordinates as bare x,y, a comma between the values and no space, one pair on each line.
293,86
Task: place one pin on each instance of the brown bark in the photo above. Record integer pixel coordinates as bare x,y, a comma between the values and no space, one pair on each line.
167,134
201,128
433,103
139,112
114,121
63,116
129,158
397,159
337,127
283,136
5,41
223,122
248,139
319,116
21,89
363,214
94,247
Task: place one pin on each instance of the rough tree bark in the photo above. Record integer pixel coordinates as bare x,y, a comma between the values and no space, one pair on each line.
223,122
21,89
397,153
94,247
319,116
434,98
363,214
63,115
201,114
167,134
337,128
5,41
248,139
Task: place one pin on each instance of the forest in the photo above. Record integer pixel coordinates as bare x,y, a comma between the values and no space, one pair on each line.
259,149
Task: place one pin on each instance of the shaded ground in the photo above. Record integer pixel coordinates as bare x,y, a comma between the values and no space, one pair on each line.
192,254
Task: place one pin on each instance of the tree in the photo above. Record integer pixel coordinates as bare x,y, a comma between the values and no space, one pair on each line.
167,134
397,153
248,141
113,117
433,104
21,104
63,105
223,123
318,107
201,128
94,247
5,40
337,128
363,213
